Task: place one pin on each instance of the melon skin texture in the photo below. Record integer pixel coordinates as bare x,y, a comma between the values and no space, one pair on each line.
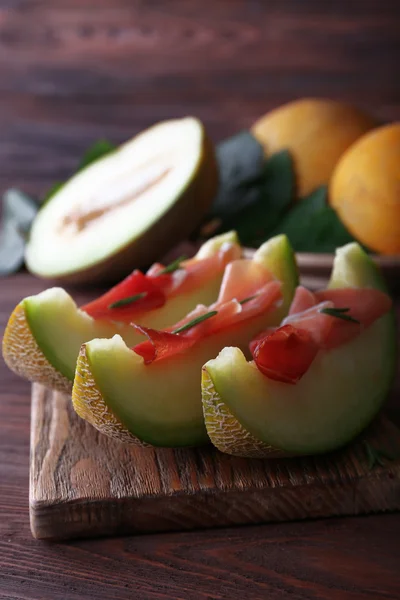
45,332
248,414
160,404
142,228
316,132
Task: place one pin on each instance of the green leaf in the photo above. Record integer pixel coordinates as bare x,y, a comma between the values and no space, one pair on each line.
339,313
19,210
98,150
377,456
240,161
268,197
256,221
248,299
313,226
52,192
173,266
196,321
128,300
12,248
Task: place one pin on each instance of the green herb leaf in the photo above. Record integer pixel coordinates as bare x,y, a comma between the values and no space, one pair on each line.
313,226
339,313
12,248
52,192
240,161
19,210
248,299
173,266
375,456
98,150
255,221
268,197
127,300
196,321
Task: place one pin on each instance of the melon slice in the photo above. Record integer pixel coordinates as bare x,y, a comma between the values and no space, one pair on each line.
129,207
249,414
45,332
160,403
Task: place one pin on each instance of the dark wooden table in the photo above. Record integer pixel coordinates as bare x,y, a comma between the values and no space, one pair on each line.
72,71
333,559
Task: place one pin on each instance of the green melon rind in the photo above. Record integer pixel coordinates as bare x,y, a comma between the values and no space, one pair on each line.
108,360
352,268
277,255
364,272
224,430
23,355
59,328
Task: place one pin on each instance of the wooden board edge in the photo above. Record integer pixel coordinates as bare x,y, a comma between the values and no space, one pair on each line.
127,516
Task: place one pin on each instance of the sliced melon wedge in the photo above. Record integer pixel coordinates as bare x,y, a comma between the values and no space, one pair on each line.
248,414
160,403
45,332
129,207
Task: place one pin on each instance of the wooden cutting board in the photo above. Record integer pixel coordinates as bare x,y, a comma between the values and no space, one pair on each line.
84,484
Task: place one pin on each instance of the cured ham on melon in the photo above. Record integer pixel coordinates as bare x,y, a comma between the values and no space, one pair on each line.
45,332
151,393
317,379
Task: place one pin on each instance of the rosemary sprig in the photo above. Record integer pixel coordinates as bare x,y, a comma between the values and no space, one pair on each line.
196,321
339,313
173,266
375,456
248,299
127,300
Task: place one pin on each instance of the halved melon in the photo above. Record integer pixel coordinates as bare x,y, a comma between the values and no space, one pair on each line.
129,207
160,403
248,414
45,332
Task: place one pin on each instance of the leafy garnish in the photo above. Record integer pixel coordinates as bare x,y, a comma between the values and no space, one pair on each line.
19,210
240,161
196,321
313,226
173,266
127,300
339,313
257,202
12,247
266,199
52,191
98,150
375,456
248,299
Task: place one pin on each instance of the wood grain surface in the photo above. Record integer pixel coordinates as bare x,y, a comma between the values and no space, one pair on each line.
331,559
72,71
84,484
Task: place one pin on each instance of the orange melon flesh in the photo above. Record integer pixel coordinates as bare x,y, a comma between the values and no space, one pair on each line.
248,414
